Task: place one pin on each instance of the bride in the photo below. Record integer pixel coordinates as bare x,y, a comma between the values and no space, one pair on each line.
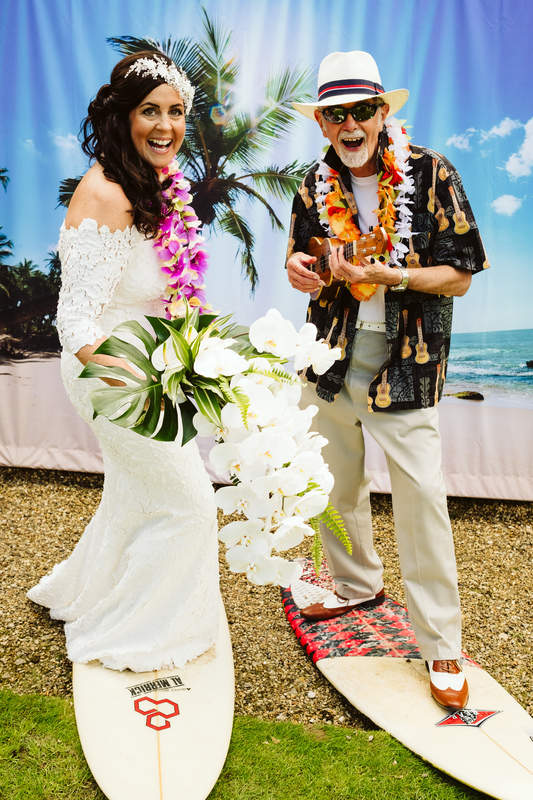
140,591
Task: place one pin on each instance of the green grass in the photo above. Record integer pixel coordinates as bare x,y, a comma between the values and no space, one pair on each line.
41,759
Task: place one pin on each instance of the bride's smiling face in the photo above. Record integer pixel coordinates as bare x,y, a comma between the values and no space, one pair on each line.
157,126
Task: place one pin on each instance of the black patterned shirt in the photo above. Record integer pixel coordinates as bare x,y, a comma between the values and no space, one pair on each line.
418,325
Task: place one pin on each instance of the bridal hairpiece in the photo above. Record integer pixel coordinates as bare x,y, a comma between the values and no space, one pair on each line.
172,75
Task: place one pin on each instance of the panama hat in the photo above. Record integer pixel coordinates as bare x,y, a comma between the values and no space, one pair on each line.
349,78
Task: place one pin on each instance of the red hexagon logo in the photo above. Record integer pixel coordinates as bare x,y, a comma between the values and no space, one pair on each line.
154,709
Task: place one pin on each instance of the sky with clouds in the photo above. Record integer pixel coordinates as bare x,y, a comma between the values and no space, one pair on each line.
466,63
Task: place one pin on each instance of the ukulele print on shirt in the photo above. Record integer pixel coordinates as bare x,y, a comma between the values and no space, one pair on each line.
440,216
461,223
422,355
406,347
383,398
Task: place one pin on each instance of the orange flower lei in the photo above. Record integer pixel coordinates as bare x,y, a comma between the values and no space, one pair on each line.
393,213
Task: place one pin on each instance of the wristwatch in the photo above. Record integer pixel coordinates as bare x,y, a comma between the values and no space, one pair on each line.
404,283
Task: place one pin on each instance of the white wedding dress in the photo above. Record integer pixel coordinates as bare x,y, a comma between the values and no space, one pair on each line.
140,590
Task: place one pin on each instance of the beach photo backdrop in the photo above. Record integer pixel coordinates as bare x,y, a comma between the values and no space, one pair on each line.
466,64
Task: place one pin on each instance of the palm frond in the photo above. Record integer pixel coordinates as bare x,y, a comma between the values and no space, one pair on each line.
182,51
232,223
66,190
281,182
282,88
129,45
4,177
6,247
219,69
234,187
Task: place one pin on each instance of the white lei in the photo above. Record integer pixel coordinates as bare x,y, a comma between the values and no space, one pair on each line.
399,146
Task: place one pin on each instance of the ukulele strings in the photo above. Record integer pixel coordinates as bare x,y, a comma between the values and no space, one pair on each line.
322,263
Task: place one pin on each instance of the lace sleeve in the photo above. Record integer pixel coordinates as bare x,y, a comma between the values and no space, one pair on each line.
92,262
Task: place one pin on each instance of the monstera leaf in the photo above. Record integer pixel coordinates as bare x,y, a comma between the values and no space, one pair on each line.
140,404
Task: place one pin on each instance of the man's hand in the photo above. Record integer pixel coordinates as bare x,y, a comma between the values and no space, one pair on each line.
365,270
299,274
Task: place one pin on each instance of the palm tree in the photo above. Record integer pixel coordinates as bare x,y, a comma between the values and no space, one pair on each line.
30,300
4,178
223,151
6,248
28,296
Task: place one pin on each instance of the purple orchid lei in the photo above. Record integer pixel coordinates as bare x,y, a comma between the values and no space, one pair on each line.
179,246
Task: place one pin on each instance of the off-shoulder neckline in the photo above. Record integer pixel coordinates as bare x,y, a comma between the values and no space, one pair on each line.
129,229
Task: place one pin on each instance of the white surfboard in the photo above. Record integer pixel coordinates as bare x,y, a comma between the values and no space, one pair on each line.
371,657
157,735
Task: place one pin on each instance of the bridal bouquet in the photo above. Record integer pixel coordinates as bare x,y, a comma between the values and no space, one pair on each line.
203,375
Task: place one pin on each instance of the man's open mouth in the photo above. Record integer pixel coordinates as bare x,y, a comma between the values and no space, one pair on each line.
353,144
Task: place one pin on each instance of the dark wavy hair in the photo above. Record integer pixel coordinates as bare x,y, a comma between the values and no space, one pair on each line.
107,138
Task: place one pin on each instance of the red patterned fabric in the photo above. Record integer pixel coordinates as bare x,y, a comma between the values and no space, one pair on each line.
383,630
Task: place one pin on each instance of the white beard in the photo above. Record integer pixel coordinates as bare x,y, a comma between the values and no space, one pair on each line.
350,159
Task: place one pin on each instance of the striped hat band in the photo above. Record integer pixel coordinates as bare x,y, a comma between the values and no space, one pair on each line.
358,86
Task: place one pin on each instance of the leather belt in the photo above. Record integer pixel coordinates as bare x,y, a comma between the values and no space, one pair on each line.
378,327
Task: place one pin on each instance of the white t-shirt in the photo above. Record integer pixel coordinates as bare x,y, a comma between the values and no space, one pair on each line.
365,192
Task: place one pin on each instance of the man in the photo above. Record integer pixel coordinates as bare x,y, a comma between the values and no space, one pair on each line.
391,315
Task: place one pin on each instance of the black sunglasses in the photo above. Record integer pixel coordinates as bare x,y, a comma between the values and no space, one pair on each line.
360,112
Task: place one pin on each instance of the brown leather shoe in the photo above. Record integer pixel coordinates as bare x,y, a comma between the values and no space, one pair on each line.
318,612
448,684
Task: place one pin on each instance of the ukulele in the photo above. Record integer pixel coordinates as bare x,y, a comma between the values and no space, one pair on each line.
441,217
422,355
437,384
406,347
461,223
383,398
370,244
433,199
412,259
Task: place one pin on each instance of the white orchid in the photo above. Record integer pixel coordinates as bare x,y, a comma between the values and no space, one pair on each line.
287,572
227,457
310,352
215,358
166,357
312,442
242,531
284,481
205,427
244,499
268,447
291,533
319,355
309,505
257,374
273,334
296,423
324,479
255,561
263,406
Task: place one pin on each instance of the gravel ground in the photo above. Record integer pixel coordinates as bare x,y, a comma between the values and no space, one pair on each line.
43,513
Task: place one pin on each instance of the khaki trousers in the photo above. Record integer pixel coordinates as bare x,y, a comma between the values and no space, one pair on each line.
411,442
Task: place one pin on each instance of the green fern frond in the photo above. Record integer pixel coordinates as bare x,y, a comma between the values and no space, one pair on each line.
316,545
276,374
333,520
236,396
